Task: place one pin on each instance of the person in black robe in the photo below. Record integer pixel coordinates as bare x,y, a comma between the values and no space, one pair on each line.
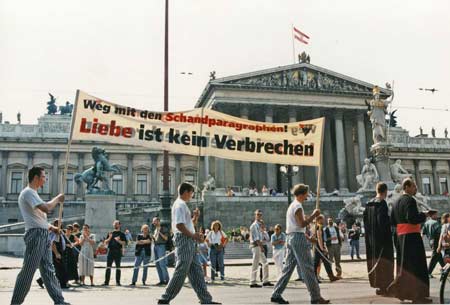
411,282
379,246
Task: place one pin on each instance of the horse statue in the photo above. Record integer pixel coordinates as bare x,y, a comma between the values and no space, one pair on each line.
97,173
67,109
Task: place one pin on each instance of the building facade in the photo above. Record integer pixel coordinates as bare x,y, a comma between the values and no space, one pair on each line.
283,94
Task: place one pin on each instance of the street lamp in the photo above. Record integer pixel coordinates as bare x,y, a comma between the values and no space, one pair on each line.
289,171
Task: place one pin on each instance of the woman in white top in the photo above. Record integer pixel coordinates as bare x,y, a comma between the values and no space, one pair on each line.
278,240
217,240
86,257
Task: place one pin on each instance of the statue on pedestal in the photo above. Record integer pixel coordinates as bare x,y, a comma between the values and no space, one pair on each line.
353,209
209,184
368,178
52,108
398,173
67,109
377,114
97,173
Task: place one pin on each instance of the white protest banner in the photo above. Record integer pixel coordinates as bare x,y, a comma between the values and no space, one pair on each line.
198,132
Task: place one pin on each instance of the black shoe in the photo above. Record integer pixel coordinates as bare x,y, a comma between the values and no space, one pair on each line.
105,284
299,280
143,283
133,284
118,284
160,301
359,258
279,300
320,301
255,286
268,284
212,302
381,291
160,284
40,283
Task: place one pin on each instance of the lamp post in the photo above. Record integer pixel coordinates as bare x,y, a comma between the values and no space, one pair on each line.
289,171
165,196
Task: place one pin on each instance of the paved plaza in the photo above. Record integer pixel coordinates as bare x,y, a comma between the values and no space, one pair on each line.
353,289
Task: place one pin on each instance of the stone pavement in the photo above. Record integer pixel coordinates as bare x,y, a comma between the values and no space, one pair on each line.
353,289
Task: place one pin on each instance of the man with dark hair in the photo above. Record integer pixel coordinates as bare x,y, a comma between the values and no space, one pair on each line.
37,247
116,242
411,282
379,247
432,230
185,239
333,240
298,249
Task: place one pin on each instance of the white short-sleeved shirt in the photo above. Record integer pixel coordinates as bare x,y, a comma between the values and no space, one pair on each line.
181,214
215,238
255,232
34,218
291,221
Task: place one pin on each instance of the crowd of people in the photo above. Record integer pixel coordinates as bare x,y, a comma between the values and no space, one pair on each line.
307,242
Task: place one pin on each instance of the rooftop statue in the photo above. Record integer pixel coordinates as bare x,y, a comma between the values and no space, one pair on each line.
398,173
52,108
209,184
67,109
368,178
377,114
97,173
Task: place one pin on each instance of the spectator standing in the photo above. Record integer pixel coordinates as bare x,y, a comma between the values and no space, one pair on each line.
74,239
202,255
161,237
353,236
333,241
69,255
58,247
116,242
257,248
86,257
142,254
217,240
278,240
432,230
321,251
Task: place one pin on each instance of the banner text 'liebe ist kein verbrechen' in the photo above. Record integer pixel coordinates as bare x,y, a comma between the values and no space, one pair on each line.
200,131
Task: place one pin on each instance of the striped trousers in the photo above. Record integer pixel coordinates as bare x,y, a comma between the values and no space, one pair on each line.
186,265
37,254
299,253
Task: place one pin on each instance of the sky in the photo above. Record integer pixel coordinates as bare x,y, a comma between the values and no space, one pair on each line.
115,50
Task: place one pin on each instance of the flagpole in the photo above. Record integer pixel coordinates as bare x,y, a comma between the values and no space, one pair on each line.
66,164
319,172
293,43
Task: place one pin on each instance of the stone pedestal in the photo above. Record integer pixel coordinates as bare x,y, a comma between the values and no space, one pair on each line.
381,153
100,214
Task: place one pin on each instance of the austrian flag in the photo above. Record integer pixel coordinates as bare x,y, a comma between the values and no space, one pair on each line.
300,36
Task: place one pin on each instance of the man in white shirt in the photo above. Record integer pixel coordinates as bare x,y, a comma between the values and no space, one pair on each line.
298,247
185,238
37,245
256,245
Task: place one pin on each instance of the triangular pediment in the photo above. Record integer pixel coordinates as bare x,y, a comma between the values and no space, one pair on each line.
302,77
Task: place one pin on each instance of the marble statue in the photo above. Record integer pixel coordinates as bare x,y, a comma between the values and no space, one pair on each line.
52,108
19,116
422,202
352,211
377,115
433,132
368,178
445,131
97,173
209,184
398,173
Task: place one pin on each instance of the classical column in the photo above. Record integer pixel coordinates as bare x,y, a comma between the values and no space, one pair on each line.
300,177
246,172
340,152
417,174
177,170
130,191
54,191
3,177
271,168
80,170
30,156
316,114
435,178
206,158
154,179
361,138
